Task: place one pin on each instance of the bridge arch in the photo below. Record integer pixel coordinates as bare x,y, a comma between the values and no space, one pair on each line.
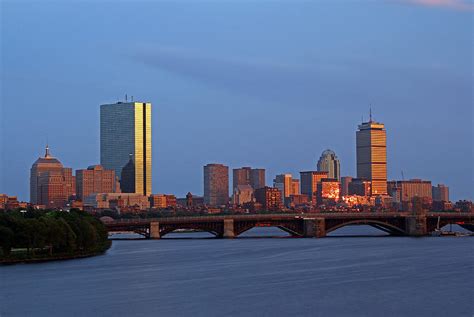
196,229
381,225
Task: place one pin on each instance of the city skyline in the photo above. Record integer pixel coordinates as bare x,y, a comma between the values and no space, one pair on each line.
316,90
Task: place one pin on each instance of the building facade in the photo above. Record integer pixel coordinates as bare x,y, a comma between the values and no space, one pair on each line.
440,193
284,184
328,162
345,181
243,194
125,128
95,179
371,140
269,198
405,191
309,183
359,187
295,187
254,177
216,185
328,191
51,185
119,201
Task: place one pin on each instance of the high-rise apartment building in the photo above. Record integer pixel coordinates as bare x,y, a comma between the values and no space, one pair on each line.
125,129
216,184
269,198
309,183
440,193
371,142
95,179
328,162
51,184
254,177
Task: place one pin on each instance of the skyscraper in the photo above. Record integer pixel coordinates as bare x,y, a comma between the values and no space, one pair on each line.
284,184
51,184
216,184
328,162
371,142
254,177
126,128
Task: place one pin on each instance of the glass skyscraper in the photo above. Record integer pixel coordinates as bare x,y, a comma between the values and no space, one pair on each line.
371,142
125,131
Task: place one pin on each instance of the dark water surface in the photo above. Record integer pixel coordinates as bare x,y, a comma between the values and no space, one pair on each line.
334,276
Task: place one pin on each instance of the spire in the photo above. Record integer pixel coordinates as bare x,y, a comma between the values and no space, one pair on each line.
370,114
47,154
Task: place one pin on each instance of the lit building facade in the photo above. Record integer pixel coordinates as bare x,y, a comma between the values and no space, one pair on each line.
216,185
371,140
125,128
440,193
408,189
284,184
360,187
295,187
328,162
328,191
309,183
95,179
51,185
117,201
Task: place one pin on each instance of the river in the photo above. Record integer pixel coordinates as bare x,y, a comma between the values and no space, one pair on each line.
369,275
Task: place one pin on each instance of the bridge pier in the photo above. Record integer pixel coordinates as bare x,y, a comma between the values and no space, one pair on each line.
416,226
314,227
229,232
154,230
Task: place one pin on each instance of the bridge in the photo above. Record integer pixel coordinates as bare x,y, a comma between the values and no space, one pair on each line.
309,225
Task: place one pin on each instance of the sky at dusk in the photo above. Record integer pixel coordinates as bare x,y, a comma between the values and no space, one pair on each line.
267,84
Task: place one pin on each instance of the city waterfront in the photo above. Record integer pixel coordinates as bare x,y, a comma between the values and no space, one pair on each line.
367,275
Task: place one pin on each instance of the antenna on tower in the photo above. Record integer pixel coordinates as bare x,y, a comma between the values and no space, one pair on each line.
370,113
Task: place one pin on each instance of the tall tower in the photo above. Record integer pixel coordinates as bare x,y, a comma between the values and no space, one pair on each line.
216,184
328,162
371,140
125,127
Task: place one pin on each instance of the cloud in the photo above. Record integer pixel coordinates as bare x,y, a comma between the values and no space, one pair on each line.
448,4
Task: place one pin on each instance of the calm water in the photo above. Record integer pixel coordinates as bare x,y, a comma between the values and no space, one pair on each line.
337,276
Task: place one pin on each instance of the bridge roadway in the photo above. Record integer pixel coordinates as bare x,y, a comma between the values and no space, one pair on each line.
305,225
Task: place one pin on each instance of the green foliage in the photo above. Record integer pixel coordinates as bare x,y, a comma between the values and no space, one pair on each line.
51,232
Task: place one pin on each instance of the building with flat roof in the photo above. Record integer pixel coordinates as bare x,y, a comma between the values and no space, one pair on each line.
216,185
95,179
345,185
269,198
406,190
254,177
284,184
309,183
125,128
440,193
371,140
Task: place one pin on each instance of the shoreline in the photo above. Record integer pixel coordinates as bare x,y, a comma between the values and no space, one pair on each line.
63,257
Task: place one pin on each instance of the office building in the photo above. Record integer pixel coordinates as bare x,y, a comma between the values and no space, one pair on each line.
284,184
95,179
254,177
125,129
162,201
440,193
328,191
328,162
51,184
406,190
371,140
345,181
295,187
309,183
359,187
269,198
216,185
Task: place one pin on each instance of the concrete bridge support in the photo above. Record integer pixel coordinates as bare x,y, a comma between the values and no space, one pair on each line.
416,226
155,230
229,232
314,227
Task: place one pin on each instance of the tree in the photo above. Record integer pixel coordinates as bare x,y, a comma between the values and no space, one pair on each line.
6,240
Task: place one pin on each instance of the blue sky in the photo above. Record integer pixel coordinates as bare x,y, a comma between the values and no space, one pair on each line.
246,83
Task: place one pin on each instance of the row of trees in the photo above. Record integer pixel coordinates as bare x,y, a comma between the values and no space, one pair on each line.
57,232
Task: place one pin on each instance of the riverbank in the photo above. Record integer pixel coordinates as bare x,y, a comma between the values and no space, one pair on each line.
39,258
